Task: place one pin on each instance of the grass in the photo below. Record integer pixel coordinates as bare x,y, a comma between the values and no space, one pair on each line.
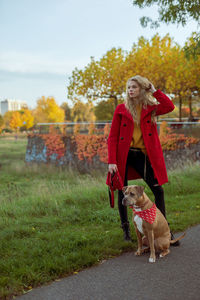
55,222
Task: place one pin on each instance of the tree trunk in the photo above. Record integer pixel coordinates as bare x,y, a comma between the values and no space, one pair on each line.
190,107
180,108
115,101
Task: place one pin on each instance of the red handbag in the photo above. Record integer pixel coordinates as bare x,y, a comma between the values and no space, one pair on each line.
114,183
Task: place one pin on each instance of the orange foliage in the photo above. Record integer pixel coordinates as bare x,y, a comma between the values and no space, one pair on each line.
90,146
185,111
164,129
54,144
91,129
77,128
106,129
52,129
173,141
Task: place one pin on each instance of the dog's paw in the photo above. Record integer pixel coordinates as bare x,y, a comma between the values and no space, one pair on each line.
138,252
152,260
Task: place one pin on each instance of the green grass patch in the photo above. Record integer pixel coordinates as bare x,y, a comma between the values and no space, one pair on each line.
55,222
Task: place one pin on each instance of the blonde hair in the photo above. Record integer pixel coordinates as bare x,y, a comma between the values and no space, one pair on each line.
145,97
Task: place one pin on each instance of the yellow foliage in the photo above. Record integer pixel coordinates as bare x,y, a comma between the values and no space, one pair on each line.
83,112
27,118
159,59
7,118
48,111
16,120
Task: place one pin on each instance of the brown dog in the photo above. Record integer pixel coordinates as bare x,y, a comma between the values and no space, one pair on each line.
154,226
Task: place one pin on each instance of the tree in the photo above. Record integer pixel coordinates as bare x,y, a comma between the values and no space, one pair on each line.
183,80
27,118
104,110
48,110
173,11
192,46
100,80
6,118
161,60
82,112
16,120
154,59
67,111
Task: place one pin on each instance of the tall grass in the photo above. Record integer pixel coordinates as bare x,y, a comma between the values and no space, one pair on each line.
55,221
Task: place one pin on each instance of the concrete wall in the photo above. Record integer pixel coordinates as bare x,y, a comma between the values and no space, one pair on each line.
37,152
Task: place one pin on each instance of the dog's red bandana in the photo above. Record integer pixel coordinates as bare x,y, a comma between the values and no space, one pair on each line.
148,215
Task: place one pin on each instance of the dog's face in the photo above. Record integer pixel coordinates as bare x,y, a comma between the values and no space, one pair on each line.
133,195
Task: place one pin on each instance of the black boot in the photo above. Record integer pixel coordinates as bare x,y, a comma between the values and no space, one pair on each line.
126,228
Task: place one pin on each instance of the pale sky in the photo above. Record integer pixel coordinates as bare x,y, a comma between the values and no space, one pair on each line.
42,41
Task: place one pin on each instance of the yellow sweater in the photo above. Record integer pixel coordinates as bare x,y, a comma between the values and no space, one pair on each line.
137,139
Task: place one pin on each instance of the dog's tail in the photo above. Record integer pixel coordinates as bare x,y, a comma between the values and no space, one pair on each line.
178,238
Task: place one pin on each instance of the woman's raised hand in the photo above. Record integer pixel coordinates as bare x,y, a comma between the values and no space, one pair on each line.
112,168
152,88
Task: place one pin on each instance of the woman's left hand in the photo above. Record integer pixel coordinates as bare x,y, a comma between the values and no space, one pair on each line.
152,88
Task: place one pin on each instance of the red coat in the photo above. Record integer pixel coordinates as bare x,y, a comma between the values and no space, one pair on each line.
121,134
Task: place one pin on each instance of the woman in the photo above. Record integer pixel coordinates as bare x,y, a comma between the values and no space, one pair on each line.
133,144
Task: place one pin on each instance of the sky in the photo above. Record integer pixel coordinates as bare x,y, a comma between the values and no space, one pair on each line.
42,41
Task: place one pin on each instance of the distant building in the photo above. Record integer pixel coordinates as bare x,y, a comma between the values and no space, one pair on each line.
11,105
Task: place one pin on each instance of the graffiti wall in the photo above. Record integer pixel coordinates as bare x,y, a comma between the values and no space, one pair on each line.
84,151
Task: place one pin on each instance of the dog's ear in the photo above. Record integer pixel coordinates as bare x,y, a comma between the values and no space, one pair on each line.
124,189
140,190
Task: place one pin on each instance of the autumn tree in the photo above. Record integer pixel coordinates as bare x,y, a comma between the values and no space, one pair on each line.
183,79
154,59
104,110
47,110
100,80
161,60
67,111
82,112
173,11
6,118
16,120
192,46
27,118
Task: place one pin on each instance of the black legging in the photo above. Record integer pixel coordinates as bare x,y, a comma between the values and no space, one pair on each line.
136,159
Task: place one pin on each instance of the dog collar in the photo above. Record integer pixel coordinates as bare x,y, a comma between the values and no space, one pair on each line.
148,215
